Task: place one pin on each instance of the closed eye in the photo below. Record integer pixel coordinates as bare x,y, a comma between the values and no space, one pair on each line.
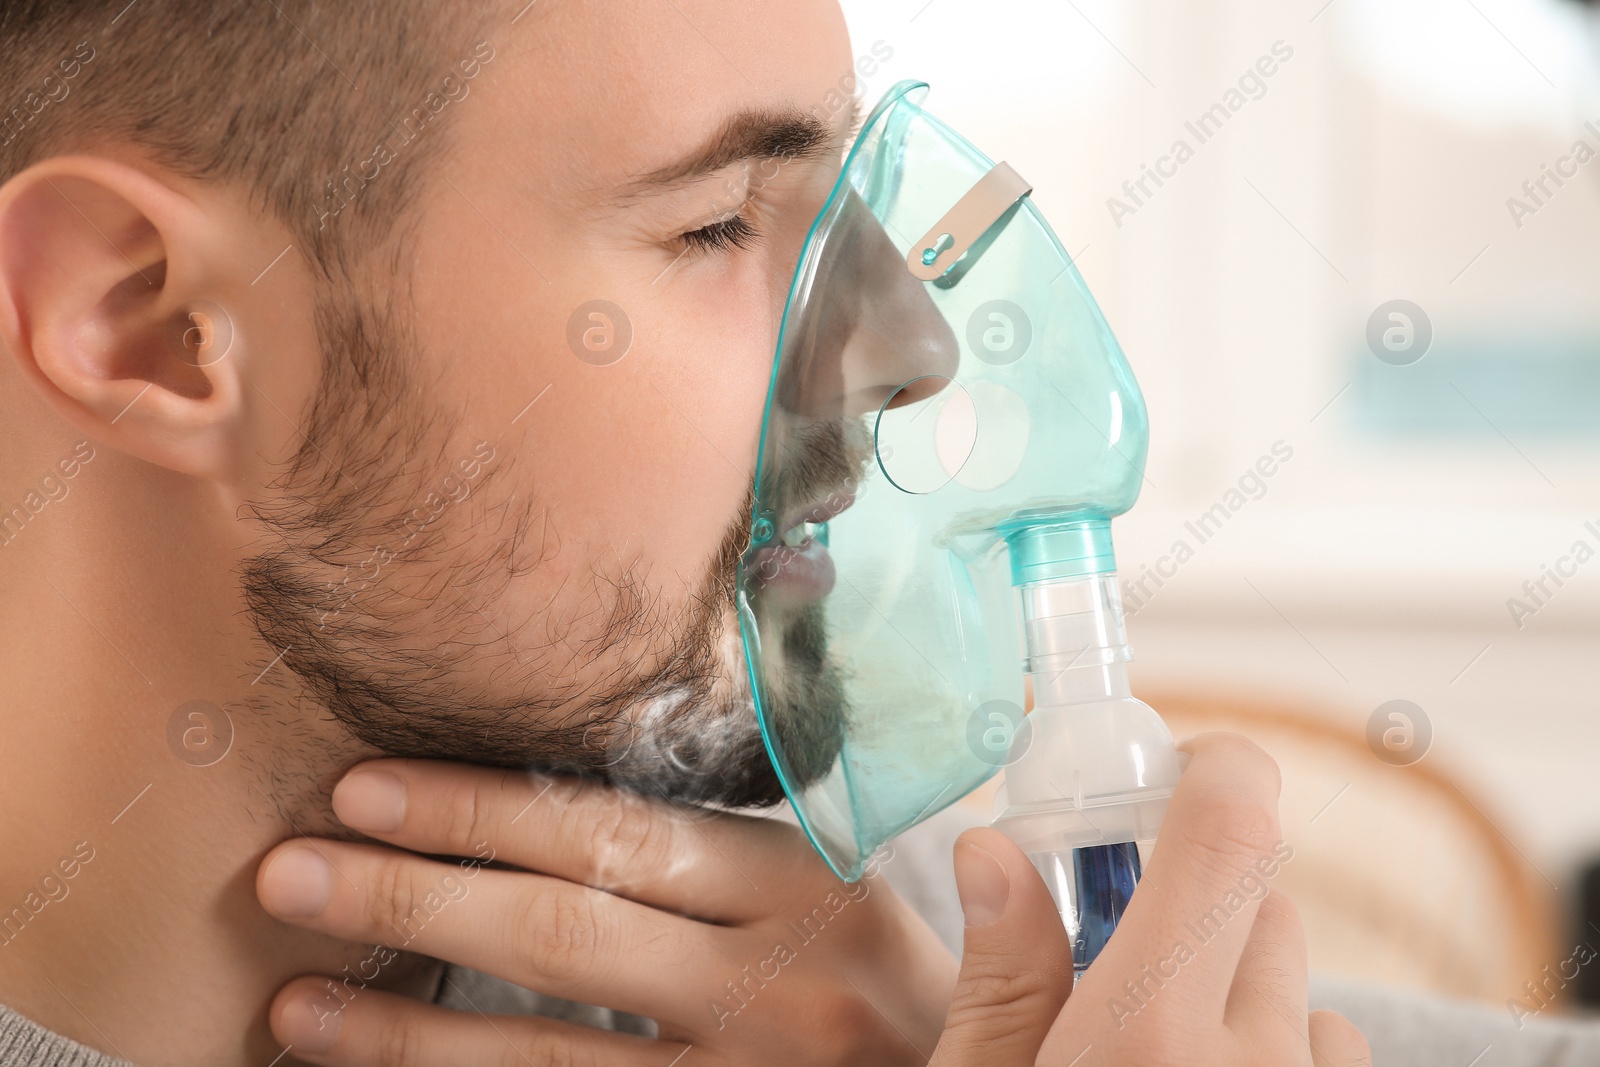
735,231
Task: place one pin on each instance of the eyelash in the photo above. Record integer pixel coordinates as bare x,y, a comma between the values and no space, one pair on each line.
735,231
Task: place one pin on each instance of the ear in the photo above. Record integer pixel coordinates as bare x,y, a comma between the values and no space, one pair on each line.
114,299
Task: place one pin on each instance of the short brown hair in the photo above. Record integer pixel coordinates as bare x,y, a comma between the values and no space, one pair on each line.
282,96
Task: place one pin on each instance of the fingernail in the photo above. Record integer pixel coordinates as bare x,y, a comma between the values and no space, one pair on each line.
373,802
297,884
311,1023
981,883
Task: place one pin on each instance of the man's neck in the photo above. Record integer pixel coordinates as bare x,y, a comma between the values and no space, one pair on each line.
128,915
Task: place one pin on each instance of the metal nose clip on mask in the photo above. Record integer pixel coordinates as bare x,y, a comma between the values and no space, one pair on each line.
950,428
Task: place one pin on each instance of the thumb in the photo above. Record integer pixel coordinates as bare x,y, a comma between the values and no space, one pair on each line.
1016,963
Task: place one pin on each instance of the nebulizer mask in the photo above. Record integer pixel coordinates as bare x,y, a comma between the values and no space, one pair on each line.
929,594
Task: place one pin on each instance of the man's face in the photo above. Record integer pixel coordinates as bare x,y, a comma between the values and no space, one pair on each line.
521,548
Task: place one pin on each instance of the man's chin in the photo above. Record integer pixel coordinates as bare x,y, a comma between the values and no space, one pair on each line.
700,763
754,792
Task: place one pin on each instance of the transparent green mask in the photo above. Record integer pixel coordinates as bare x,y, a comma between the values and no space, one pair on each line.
949,416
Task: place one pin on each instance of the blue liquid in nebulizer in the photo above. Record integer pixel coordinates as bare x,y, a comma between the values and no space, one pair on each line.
1102,881
1106,877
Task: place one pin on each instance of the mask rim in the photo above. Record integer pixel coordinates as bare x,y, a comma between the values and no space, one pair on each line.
749,632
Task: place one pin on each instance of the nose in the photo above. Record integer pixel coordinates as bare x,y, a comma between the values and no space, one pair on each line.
870,330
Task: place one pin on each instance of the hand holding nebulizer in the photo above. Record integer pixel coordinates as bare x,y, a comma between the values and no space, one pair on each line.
950,429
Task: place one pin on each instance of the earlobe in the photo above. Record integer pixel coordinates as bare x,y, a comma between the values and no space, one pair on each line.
111,304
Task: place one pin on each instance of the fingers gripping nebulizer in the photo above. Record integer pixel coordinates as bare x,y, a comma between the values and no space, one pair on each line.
929,594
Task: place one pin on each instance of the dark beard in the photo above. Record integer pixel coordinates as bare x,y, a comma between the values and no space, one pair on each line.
683,730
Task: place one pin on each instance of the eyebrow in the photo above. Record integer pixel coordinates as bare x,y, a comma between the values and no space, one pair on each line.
755,133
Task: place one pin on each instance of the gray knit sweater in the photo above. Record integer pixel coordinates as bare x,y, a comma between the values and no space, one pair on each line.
1405,1029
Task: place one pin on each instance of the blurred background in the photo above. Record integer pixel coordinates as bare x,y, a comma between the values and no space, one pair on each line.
1372,269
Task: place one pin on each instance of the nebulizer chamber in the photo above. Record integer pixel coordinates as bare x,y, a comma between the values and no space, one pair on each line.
1088,779
961,615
